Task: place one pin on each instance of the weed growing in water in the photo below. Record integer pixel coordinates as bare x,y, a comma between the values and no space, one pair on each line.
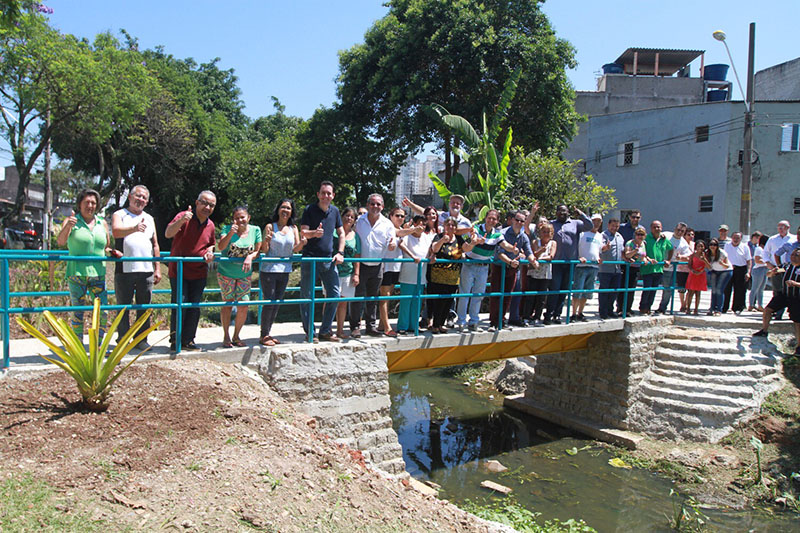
509,512
686,514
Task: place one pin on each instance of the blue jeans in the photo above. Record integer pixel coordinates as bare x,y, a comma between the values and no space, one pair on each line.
759,281
649,280
717,281
329,276
608,280
473,280
560,282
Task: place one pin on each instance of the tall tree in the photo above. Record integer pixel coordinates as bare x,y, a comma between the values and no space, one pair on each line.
45,72
459,54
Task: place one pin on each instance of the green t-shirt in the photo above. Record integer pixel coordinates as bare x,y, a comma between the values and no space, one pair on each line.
83,241
352,247
658,250
240,246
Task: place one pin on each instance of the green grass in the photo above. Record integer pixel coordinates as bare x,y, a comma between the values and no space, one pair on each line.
27,504
510,513
782,403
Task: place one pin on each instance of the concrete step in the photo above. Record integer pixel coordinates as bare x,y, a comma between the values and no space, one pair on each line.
693,386
755,371
707,415
709,399
704,346
664,352
707,375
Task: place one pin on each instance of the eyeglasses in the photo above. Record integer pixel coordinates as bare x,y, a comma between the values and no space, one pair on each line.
400,215
634,216
710,245
207,203
520,221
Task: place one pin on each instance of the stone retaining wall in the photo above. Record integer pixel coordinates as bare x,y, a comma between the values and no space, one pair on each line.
597,384
346,389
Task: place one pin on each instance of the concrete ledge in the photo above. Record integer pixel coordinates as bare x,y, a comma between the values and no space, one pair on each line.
614,436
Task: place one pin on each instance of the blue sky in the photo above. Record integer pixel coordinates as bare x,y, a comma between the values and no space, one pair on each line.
289,49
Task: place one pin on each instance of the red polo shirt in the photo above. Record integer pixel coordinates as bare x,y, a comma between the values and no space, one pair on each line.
192,240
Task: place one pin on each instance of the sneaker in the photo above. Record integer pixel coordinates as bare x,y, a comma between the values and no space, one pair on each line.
573,318
190,347
473,327
328,337
538,323
516,323
582,318
556,320
546,321
355,334
142,345
492,329
760,333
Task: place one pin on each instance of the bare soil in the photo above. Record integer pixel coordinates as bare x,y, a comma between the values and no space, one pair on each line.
201,446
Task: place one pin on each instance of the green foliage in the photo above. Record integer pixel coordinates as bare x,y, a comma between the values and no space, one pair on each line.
32,505
273,482
536,177
459,53
758,447
511,513
686,514
94,373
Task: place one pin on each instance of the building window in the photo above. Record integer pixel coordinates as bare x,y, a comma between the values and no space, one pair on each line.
790,137
796,208
628,154
706,204
701,134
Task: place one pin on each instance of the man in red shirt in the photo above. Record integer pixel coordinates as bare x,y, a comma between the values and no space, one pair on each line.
193,236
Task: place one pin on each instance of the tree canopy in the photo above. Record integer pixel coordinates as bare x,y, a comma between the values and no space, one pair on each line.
459,54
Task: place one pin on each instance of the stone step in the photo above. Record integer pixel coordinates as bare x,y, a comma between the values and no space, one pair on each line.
707,375
693,386
708,399
667,353
706,346
752,370
707,415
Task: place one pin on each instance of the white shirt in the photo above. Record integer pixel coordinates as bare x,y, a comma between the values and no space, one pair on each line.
679,248
717,266
463,222
419,246
759,253
589,246
374,237
138,243
738,255
393,254
773,244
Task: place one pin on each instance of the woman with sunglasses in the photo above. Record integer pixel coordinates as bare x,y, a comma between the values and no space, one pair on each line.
719,275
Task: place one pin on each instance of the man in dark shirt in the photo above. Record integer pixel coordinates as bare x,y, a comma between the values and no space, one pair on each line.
627,230
318,223
193,236
516,246
565,232
789,298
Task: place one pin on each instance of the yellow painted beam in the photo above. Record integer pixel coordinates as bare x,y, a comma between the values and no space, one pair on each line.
422,358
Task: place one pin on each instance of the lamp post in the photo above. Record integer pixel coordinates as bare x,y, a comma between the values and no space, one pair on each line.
747,152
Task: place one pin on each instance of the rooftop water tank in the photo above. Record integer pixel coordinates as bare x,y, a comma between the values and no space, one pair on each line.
613,68
718,72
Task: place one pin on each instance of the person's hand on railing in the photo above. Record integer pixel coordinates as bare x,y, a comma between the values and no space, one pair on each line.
666,263
582,260
247,264
209,255
111,252
416,259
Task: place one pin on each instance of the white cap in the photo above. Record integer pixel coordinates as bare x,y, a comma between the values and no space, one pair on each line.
597,216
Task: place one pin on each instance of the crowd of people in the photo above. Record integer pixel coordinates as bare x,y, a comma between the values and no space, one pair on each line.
529,253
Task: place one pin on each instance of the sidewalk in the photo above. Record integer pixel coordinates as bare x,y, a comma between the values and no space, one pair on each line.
25,352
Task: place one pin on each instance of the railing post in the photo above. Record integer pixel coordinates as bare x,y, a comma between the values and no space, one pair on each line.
625,293
417,301
6,299
311,305
179,310
502,294
672,290
569,288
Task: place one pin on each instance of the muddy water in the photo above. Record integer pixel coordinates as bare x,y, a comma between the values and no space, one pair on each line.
448,432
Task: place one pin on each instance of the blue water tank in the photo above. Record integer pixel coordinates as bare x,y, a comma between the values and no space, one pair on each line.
718,95
613,68
718,72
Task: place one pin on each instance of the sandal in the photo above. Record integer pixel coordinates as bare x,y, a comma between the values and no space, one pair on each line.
227,344
239,344
267,341
390,333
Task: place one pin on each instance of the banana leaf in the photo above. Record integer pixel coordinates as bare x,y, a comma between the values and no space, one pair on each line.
441,188
504,105
461,127
457,184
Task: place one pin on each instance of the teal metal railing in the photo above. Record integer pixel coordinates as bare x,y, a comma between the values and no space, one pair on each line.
8,256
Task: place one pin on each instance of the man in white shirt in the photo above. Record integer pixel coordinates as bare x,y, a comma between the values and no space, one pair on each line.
377,235
775,243
134,232
681,253
739,256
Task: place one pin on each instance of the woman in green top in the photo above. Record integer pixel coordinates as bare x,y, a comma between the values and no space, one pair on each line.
348,272
239,240
86,234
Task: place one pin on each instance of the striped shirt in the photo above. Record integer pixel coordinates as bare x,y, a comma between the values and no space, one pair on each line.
487,249
792,273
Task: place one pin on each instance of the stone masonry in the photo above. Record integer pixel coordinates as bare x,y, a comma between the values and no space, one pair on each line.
598,384
346,389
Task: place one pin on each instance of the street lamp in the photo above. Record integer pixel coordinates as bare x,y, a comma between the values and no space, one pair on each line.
747,153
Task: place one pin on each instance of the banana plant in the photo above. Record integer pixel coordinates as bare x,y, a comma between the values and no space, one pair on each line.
490,171
93,372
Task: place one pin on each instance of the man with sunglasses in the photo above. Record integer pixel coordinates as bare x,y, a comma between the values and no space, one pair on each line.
193,236
627,230
517,241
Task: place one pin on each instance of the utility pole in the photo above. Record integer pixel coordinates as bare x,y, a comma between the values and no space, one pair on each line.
747,153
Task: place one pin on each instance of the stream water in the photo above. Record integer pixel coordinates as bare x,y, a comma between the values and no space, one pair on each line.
448,432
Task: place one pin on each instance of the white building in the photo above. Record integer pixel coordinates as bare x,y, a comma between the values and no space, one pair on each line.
412,179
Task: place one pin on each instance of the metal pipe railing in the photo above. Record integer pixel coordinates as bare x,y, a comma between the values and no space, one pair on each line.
6,309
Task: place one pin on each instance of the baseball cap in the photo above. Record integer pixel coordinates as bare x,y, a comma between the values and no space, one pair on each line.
724,226
457,197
